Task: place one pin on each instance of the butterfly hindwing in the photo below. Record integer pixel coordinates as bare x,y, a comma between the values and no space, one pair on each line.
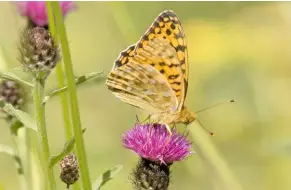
142,86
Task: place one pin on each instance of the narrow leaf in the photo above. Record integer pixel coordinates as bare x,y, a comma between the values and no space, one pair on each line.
79,80
20,115
106,176
12,76
9,151
68,147
15,124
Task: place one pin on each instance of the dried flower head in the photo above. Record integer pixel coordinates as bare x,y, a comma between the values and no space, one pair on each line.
12,93
38,53
153,142
35,11
151,175
69,169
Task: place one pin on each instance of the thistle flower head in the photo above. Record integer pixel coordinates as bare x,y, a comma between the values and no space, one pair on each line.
35,11
38,53
69,169
153,142
12,93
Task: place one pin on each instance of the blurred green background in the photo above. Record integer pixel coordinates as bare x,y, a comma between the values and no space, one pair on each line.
237,50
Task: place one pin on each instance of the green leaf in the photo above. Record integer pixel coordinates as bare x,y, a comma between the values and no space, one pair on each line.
12,76
68,147
106,176
9,151
79,80
6,149
20,115
15,124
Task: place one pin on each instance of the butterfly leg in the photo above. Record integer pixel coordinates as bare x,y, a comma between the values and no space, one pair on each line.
147,118
185,129
137,119
174,126
169,137
169,130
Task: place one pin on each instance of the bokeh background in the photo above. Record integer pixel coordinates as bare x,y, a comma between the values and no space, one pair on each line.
237,50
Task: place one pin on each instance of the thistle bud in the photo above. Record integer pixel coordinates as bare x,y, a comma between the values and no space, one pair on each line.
12,93
69,170
38,53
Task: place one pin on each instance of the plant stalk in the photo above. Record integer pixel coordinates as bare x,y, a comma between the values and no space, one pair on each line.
75,115
61,83
38,92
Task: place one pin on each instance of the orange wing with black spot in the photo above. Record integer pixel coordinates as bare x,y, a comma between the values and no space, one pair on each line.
124,57
168,27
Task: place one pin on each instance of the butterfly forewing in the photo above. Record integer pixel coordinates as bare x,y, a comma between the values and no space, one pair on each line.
166,26
124,56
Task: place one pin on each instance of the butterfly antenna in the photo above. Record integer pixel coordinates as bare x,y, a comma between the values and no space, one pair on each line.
219,104
210,133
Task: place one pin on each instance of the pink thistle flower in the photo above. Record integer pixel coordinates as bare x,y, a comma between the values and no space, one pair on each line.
153,142
36,10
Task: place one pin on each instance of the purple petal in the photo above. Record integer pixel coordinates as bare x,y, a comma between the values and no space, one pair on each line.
153,142
36,10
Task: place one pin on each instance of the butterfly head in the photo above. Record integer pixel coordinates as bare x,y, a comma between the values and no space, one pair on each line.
185,116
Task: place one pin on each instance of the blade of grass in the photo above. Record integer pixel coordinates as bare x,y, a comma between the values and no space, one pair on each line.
75,115
208,150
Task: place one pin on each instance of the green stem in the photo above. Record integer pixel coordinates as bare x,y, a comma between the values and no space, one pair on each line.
208,151
38,92
60,76
61,83
75,115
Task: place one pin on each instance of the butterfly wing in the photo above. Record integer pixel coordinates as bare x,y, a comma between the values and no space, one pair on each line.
166,26
142,86
124,57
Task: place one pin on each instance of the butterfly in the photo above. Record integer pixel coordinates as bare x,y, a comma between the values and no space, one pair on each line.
153,73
